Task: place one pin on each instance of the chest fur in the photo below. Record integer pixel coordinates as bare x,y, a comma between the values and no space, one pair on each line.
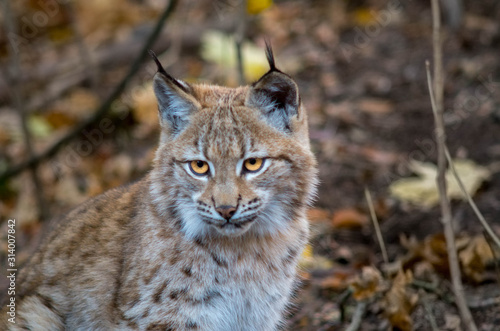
209,288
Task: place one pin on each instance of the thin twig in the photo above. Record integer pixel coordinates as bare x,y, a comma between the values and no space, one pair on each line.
446,220
436,95
19,102
376,226
357,317
473,205
239,39
103,108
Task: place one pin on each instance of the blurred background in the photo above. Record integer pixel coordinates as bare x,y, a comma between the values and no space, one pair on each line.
78,117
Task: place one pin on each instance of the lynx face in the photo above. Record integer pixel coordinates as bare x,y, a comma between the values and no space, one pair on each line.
232,161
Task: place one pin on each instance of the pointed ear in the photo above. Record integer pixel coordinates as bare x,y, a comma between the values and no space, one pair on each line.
276,95
175,101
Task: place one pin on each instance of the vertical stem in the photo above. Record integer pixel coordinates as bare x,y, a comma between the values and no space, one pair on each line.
376,226
239,38
436,94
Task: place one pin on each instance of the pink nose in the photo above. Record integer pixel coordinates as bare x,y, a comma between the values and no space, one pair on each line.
226,211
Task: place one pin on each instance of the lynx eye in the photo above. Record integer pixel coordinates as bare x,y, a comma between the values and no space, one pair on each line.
253,164
199,168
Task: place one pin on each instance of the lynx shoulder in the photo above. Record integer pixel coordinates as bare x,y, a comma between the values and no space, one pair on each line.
208,240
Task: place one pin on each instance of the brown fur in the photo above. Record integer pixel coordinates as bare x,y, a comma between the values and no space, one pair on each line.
155,255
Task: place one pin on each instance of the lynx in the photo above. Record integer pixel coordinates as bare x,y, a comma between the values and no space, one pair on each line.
208,240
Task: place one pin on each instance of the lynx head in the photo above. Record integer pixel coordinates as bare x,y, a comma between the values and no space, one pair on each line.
232,160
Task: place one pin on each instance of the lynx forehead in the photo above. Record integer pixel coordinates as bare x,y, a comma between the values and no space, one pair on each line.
208,240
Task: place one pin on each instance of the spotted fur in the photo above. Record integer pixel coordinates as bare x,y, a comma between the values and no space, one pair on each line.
158,254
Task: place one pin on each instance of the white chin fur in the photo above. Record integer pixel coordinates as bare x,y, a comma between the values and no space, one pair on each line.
194,227
270,220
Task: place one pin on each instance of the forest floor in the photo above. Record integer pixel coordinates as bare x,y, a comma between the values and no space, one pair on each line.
360,67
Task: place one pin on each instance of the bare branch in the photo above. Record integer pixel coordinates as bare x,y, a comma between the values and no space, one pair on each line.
103,108
436,94
485,224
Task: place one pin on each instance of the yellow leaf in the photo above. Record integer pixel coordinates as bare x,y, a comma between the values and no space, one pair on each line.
310,261
256,6
363,16
39,126
220,48
422,190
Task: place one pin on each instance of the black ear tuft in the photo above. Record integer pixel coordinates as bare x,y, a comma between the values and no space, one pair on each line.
276,95
175,101
270,57
158,63
162,71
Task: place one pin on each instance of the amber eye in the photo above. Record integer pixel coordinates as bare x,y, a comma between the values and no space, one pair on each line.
198,167
253,164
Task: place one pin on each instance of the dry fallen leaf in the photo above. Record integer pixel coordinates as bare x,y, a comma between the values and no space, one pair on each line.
475,257
474,254
349,218
422,190
338,281
431,250
400,301
367,284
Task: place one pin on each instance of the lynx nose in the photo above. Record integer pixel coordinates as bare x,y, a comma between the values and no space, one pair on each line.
226,211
